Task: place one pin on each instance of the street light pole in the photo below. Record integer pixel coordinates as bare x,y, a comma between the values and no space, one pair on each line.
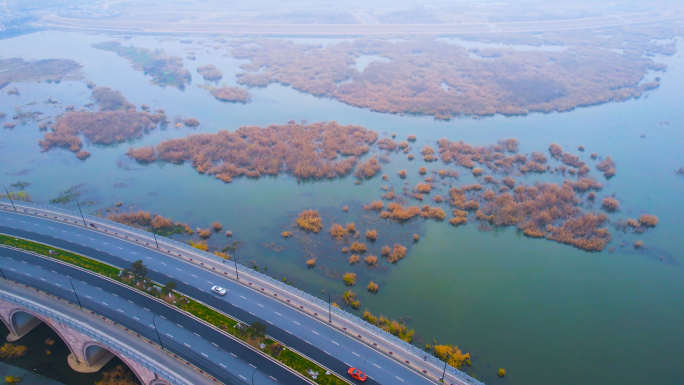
3,275
74,289
155,237
157,331
329,309
445,363
8,196
82,217
236,272
253,375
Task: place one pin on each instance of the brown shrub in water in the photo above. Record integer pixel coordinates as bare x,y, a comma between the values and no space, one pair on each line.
402,174
400,213
411,138
9,125
432,212
337,231
372,235
607,166
357,247
591,196
286,234
585,184
438,199
456,221
373,287
422,170
310,263
398,252
610,204
452,355
310,220
593,155
489,195
83,155
389,195
350,227
201,245
230,94
556,150
191,122
411,157
368,168
416,237
10,351
354,259
385,177
422,188
393,327
387,144
216,226
638,244
477,171
345,208
375,206
349,279
145,220
403,145
345,250
371,260
428,153
142,154
385,251
204,233
209,72
648,220
305,151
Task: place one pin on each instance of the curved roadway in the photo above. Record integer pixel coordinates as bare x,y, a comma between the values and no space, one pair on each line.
329,347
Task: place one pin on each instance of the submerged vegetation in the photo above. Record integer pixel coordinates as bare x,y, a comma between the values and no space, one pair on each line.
229,94
165,69
314,151
51,70
310,220
395,328
145,220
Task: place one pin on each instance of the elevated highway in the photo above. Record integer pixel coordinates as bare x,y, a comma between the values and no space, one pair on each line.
295,318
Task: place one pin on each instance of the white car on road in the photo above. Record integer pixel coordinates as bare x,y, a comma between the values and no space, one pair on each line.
219,290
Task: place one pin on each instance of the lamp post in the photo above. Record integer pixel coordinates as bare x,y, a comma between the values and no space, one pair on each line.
329,309
233,247
82,217
76,294
157,331
9,196
255,369
445,362
155,237
3,275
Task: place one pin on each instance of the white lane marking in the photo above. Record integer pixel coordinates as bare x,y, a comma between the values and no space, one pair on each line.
22,221
222,365
346,363
91,239
377,366
162,316
297,323
273,378
270,322
399,379
136,318
260,304
334,342
279,314
213,343
120,248
204,355
146,309
64,231
36,225
315,333
307,342
152,327
148,257
356,354
194,275
50,228
43,279
198,335
134,252
105,243
180,326
53,271
242,377
252,366
88,296
77,235
233,355
179,269
120,310
163,263
243,296
169,335
251,313
326,352
211,283
186,345
58,285
105,304
130,301
116,295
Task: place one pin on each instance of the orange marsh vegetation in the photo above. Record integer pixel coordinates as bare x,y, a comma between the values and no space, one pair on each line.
314,151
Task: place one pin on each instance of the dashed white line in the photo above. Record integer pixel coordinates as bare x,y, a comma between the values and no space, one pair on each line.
356,354
251,313
233,355
134,252
105,304
179,269
120,310
213,343
194,275
211,283
252,366
270,322
43,279
377,366
105,243
146,309
198,335
186,345
222,365
260,304
180,326
162,316
297,323
136,318
315,333
204,355
50,228
163,263
273,378
399,379
169,335
242,377
77,235
334,342
243,297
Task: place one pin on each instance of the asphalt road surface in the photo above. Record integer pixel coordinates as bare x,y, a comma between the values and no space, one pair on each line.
305,334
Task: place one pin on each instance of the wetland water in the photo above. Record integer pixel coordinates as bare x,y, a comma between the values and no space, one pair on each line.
547,312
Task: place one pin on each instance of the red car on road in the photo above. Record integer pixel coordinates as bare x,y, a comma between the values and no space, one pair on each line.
357,374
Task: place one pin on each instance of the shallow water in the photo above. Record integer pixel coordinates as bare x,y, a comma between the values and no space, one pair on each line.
546,312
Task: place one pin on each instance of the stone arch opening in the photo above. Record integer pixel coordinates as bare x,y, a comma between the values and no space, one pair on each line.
97,355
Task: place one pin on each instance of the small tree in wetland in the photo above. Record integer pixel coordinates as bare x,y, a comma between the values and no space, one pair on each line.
349,279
